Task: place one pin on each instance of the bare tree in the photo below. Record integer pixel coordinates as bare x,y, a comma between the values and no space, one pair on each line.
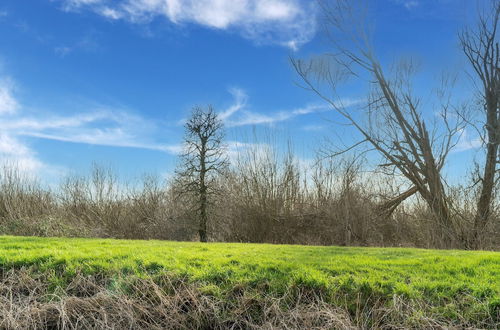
204,157
481,46
391,122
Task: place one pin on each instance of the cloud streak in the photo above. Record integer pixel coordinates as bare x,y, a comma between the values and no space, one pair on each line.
238,114
252,118
289,23
102,126
87,43
106,137
408,4
467,142
240,101
12,150
8,103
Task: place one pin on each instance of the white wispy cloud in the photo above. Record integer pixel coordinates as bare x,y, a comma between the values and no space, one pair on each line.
8,103
101,126
253,118
12,150
110,137
467,142
238,114
236,148
87,43
107,126
408,4
240,101
313,128
290,23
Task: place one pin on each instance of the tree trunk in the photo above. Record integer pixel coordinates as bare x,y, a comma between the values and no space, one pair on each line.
203,193
435,195
439,207
482,48
203,217
488,180
385,209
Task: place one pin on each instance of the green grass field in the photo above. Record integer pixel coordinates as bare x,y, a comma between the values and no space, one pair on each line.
455,286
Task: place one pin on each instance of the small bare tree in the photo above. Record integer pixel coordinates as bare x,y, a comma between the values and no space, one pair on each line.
481,46
203,158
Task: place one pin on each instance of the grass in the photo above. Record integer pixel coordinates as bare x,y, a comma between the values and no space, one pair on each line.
451,286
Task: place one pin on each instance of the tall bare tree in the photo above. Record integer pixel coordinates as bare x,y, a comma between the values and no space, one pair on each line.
203,158
391,122
481,46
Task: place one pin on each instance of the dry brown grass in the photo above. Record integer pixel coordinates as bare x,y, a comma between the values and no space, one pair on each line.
93,303
87,304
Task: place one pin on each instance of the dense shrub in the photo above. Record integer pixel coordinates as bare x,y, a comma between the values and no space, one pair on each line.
265,197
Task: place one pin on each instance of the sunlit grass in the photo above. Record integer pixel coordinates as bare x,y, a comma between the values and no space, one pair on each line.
451,280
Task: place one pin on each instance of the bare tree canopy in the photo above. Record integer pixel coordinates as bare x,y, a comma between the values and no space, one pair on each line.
392,122
481,47
203,158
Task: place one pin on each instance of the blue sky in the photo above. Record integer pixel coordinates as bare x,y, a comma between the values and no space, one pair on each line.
110,81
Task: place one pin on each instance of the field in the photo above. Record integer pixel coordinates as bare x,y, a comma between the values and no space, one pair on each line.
67,282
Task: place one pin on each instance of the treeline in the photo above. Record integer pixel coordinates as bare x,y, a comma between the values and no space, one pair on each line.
264,197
